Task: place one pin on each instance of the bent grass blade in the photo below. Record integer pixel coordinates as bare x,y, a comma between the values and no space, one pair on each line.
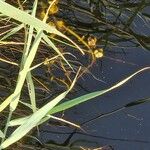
84,98
1,134
78,100
26,18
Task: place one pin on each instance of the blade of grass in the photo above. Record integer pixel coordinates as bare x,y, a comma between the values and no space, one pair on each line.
1,134
14,98
31,90
33,121
65,121
23,73
7,101
81,99
13,31
30,83
9,62
19,121
26,18
28,38
50,43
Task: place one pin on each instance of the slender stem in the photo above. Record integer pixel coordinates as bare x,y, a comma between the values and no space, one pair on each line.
6,127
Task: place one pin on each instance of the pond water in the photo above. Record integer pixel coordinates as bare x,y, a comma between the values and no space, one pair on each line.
122,30
127,129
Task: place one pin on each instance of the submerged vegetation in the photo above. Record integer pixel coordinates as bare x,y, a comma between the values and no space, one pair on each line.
46,46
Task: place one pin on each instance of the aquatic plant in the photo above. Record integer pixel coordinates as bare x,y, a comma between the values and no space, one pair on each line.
39,41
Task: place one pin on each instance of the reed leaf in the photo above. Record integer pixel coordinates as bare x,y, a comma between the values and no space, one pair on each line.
79,100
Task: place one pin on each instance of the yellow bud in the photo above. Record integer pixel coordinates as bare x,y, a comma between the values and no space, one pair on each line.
46,62
52,78
98,53
53,10
51,23
92,42
60,24
42,14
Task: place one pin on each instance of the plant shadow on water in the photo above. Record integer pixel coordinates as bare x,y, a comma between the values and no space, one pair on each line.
106,122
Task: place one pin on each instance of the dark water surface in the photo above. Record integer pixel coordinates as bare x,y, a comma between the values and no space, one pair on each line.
128,129
122,29
124,130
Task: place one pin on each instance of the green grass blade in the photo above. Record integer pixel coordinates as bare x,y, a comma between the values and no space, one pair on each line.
35,118
31,90
81,99
25,18
30,83
1,134
23,73
84,98
7,101
50,43
31,122
19,121
14,98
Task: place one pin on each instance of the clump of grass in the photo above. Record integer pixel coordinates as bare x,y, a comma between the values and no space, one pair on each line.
30,37
34,33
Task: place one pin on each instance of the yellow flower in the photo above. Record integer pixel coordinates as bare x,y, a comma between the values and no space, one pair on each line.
53,10
92,41
98,53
